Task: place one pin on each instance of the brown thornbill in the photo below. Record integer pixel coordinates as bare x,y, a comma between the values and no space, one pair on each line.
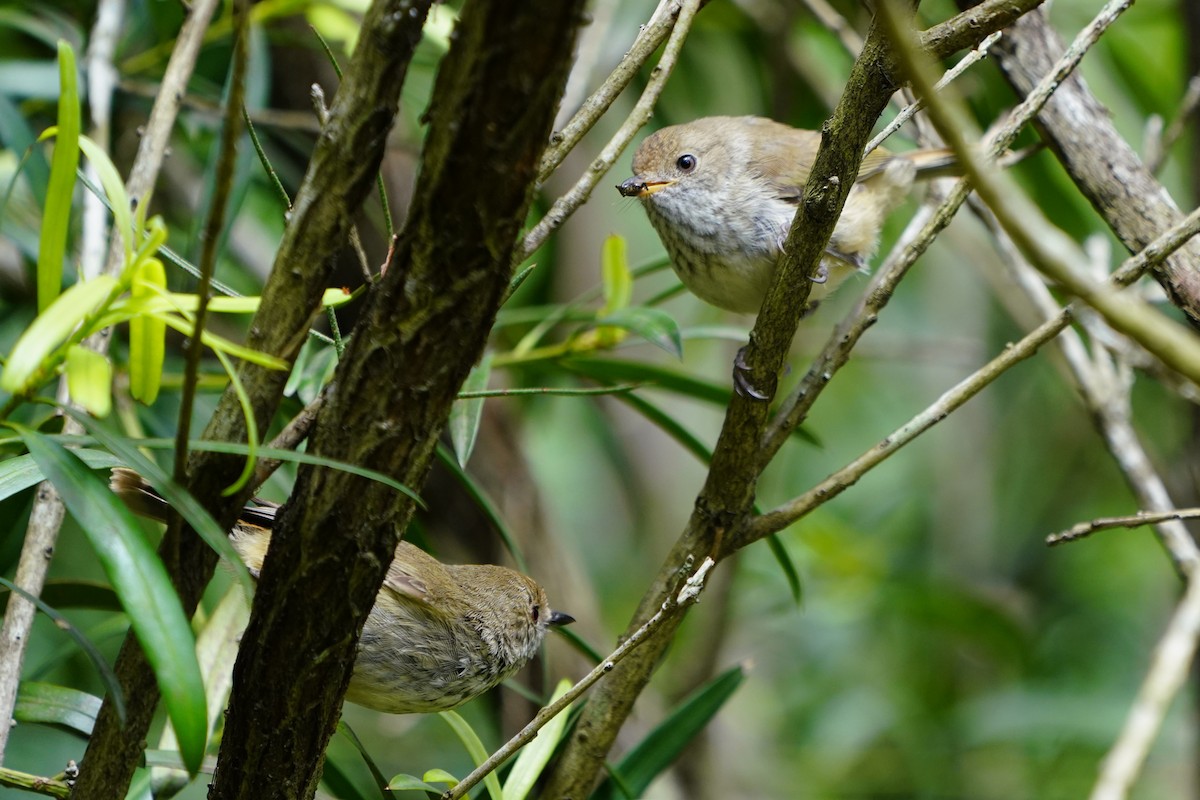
438,634
722,192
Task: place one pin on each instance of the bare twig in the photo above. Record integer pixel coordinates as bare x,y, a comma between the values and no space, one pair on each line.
973,57
1105,392
689,594
784,515
101,82
1169,668
1082,529
828,16
652,34
1043,244
579,193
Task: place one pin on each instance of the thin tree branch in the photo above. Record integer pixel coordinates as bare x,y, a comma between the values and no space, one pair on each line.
784,515
578,194
1043,244
652,34
1082,529
689,594
1169,668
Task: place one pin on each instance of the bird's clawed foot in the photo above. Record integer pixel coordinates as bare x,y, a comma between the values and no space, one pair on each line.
741,379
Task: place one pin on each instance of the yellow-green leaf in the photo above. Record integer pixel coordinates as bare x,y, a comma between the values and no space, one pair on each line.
89,380
56,218
114,188
614,271
51,328
147,334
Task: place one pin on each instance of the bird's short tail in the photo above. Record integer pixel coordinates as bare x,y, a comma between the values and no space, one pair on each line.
138,495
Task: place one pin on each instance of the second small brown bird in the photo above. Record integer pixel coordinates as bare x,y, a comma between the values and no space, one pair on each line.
722,191
438,634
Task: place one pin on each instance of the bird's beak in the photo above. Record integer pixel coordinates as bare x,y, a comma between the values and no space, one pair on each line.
637,187
558,618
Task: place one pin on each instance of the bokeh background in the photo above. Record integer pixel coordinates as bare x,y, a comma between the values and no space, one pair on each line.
937,649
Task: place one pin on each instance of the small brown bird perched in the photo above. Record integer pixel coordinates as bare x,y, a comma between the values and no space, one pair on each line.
722,192
438,634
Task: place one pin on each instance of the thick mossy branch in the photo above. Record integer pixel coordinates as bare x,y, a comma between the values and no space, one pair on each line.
425,325
342,169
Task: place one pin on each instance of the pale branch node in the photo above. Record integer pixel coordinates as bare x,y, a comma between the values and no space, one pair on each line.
1159,144
578,194
1082,529
689,594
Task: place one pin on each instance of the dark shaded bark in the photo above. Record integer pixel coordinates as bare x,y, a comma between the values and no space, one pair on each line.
425,325
337,181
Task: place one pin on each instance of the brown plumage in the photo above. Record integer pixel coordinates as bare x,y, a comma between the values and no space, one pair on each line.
438,634
722,191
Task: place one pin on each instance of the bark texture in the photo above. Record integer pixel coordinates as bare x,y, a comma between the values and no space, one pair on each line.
425,325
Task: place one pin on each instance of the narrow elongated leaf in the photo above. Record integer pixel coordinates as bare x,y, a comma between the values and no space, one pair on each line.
652,324
175,495
466,413
410,783
535,755
662,745
485,504
89,379
147,334
20,473
474,748
51,328
107,676
348,733
114,188
56,218
615,276
141,581
56,705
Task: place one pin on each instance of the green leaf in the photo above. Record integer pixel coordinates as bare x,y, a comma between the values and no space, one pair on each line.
474,748
535,755
175,495
141,581
50,329
615,276
466,413
411,783
613,370
652,324
440,776
147,334
376,774
48,704
89,379
114,189
107,676
56,218
484,503
663,745
18,474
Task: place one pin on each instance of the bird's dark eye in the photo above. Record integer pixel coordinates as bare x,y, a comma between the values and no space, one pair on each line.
535,612
686,162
